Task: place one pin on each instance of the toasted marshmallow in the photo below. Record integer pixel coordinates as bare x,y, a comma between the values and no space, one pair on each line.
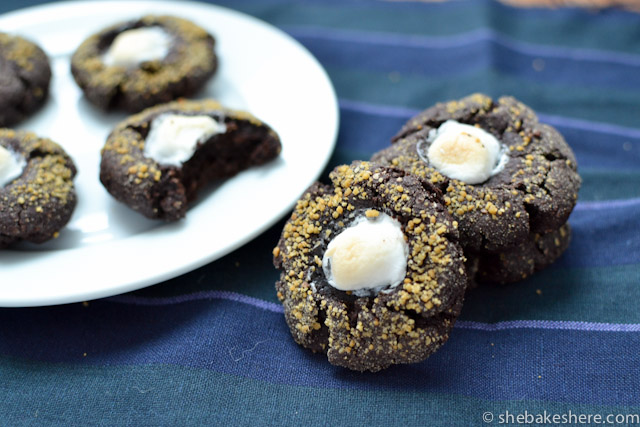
132,47
464,152
367,257
11,166
173,138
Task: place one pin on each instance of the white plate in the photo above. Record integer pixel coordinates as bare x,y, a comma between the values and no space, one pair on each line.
107,249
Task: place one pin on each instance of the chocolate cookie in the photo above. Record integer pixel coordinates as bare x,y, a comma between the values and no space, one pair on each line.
24,78
137,64
37,195
372,274
505,176
157,160
522,260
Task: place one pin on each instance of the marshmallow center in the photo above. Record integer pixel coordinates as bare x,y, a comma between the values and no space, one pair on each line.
173,138
132,47
367,257
464,152
11,166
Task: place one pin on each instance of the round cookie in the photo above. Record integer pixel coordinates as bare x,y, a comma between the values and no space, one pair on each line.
24,78
37,196
521,261
533,191
133,171
159,59
370,326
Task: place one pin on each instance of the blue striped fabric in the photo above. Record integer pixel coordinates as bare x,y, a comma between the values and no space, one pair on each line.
212,347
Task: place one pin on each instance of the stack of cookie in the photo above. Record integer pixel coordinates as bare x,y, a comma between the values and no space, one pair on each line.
375,266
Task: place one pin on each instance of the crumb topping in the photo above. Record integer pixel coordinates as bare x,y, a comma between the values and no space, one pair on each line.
395,323
127,141
540,178
43,195
47,175
190,55
26,77
163,190
18,50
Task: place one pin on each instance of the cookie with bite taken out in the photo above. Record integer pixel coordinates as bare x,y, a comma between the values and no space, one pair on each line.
156,161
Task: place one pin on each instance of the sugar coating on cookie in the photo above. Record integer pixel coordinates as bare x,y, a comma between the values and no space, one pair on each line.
368,256
37,203
25,75
137,64
534,191
384,325
523,260
464,152
11,165
156,161
173,138
132,47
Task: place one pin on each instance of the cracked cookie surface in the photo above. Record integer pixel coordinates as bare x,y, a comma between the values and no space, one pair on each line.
533,194
404,324
25,74
160,191
187,66
40,201
520,261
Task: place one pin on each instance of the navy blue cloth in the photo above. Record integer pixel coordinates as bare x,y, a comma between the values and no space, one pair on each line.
212,347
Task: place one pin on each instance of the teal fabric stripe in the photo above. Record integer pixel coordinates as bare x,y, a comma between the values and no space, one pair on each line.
244,340
433,19
608,184
414,18
464,53
582,294
417,92
173,395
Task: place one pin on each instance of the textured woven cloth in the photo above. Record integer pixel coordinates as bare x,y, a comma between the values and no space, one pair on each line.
212,347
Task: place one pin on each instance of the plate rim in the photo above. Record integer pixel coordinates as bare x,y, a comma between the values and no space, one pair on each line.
141,282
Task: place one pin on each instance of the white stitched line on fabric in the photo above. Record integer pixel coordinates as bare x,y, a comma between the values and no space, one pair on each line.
461,324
